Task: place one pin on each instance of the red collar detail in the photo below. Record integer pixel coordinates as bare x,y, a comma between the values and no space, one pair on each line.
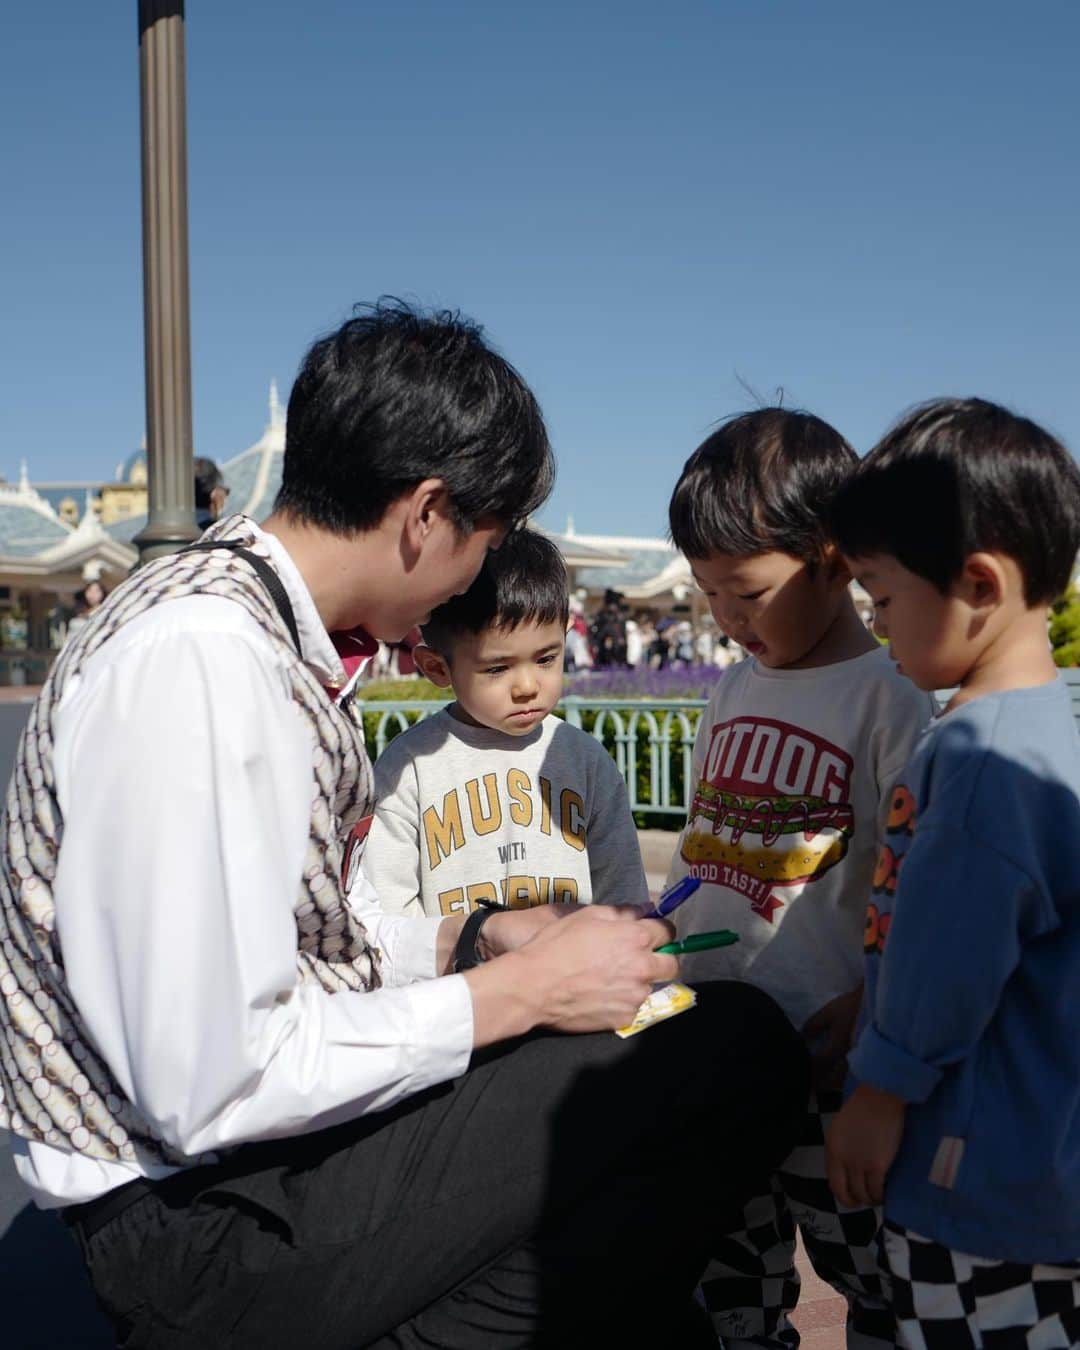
354,647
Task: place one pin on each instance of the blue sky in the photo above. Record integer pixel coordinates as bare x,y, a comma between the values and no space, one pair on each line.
647,205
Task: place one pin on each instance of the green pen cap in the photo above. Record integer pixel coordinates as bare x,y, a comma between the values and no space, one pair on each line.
699,942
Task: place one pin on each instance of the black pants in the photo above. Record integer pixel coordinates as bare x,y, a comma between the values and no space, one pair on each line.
561,1193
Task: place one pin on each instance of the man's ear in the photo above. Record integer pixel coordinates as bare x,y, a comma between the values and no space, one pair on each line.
432,666
983,583
424,505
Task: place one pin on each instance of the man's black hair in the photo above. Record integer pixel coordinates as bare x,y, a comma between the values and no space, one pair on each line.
207,478
762,482
395,396
523,581
962,476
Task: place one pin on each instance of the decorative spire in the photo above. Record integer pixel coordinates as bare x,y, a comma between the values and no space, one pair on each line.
277,412
24,479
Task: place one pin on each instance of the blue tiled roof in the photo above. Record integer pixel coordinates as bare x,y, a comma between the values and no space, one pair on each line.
24,531
240,474
641,566
261,509
124,531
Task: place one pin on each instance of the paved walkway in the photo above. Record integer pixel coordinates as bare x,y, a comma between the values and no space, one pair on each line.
821,1313
18,693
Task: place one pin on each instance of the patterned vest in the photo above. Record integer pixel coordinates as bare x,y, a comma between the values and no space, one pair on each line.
55,1086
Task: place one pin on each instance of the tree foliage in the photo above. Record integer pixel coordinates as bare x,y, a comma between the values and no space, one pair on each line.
1065,629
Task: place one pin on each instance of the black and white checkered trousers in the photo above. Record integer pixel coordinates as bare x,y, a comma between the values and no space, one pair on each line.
751,1284
947,1300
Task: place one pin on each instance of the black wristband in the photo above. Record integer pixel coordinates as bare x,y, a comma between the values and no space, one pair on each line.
467,947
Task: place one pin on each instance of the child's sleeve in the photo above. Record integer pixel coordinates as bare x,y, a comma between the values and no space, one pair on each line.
911,715
961,916
615,867
391,860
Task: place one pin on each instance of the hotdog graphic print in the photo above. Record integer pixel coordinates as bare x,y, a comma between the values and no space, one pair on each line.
790,787
770,812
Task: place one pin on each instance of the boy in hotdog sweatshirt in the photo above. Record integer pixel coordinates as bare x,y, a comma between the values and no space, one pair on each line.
963,524
793,767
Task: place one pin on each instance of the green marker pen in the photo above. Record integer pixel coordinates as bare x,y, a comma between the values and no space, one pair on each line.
699,942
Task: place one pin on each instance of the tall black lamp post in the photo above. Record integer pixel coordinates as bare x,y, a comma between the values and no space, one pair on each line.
166,316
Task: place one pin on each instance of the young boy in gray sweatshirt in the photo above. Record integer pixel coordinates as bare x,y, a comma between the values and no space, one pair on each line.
492,800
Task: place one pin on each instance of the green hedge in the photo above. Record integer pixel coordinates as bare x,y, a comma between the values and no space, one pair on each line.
1065,630
395,691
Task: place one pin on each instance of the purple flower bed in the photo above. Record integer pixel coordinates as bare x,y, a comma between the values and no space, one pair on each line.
644,682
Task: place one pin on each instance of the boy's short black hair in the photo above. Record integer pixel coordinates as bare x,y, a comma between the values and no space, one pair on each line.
958,476
760,483
395,396
523,581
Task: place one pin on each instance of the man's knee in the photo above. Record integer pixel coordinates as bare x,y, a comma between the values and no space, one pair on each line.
758,1042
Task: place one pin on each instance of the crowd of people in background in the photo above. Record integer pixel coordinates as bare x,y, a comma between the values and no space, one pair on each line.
615,637
618,637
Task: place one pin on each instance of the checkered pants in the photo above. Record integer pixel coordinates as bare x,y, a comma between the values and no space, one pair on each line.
751,1285
946,1300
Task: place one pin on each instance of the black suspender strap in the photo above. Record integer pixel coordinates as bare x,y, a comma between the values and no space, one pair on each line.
267,576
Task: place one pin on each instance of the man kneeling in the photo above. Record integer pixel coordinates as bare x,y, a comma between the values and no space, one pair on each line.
271,1113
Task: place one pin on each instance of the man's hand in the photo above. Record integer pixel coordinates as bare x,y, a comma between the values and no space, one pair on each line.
589,971
509,930
829,1035
862,1144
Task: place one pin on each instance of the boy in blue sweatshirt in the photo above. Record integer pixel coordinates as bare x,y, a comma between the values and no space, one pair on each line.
963,524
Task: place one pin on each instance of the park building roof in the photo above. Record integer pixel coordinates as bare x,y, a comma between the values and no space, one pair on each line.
577,554
67,499
124,531
38,548
253,476
133,469
630,561
674,578
34,522
28,523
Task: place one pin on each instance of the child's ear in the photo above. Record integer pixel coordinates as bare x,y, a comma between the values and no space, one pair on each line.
432,666
835,565
983,581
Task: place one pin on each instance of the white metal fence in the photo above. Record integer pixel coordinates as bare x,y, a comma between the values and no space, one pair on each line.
651,739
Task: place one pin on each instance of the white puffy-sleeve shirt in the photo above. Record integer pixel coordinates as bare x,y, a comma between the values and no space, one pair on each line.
183,771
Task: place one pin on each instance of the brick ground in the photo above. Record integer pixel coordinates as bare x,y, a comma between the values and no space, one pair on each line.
18,693
821,1313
